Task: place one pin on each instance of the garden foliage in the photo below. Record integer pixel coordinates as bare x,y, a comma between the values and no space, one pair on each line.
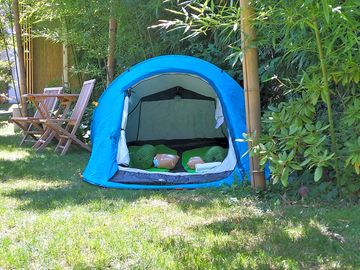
310,73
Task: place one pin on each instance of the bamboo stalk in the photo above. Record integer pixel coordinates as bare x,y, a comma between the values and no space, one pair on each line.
111,48
20,54
65,65
251,89
326,90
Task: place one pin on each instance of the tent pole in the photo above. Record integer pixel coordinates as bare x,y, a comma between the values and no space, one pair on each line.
252,88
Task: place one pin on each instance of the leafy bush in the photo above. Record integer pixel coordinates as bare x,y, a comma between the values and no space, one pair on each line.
309,61
293,142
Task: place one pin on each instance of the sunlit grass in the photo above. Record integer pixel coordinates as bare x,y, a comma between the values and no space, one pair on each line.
295,232
13,155
49,219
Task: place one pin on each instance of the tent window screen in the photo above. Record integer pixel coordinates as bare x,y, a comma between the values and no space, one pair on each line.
175,118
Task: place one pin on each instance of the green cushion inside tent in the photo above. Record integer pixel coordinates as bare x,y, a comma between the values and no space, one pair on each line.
163,149
143,157
196,152
160,149
215,154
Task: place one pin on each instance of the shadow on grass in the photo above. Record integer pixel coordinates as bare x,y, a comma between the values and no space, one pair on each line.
67,188
262,242
269,246
23,162
77,193
267,242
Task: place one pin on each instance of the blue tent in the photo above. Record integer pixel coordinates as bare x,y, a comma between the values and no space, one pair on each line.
154,80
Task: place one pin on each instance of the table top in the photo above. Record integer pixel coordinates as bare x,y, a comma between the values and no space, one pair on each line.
61,97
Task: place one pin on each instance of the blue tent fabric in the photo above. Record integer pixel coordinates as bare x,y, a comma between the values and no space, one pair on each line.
105,128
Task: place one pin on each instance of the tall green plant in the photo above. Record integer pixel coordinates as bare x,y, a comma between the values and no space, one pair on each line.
312,47
319,22
327,98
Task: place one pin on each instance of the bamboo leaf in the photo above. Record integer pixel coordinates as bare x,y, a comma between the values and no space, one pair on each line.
326,10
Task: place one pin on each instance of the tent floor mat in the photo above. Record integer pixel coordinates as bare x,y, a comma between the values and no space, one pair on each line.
143,178
181,146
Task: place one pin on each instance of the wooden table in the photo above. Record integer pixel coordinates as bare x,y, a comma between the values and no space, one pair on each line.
65,100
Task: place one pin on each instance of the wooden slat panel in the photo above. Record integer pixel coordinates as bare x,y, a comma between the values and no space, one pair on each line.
47,64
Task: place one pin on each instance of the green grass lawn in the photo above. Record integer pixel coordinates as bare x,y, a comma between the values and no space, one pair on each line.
50,219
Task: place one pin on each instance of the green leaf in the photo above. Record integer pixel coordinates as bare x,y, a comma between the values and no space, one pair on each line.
291,155
275,179
295,166
285,177
318,173
293,129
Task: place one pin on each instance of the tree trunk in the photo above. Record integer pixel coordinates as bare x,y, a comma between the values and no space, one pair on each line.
251,89
111,48
20,54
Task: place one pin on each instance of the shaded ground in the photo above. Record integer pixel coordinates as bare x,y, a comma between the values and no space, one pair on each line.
50,219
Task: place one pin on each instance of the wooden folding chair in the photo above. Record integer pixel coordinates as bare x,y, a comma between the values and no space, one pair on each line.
67,134
31,126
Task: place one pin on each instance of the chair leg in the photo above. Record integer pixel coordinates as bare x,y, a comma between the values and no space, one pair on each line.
60,144
26,134
44,140
23,139
69,140
64,142
66,147
24,128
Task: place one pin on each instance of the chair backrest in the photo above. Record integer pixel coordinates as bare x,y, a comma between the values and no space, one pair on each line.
82,101
51,102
